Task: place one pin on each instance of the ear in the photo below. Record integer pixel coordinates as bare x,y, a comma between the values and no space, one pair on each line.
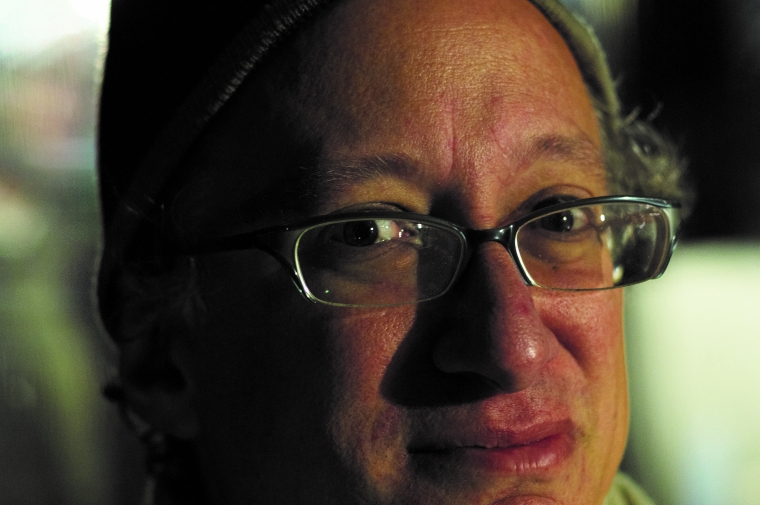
155,371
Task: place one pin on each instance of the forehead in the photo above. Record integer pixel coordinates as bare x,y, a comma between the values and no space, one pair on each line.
375,66
460,92
466,91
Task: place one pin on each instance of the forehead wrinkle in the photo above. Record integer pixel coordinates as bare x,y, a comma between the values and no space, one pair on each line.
566,152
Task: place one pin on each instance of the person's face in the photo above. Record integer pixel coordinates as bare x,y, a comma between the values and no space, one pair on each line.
496,392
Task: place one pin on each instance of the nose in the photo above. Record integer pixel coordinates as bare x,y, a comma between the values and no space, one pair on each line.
497,333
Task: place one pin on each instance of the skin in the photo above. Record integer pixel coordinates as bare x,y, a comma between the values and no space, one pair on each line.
482,113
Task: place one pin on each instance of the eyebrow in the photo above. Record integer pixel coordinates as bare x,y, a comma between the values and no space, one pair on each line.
329,178
577,150
360,169
335,176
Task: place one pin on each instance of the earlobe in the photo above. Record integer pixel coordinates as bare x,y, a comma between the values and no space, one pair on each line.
155,376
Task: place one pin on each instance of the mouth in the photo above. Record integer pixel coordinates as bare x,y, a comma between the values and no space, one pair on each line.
533,450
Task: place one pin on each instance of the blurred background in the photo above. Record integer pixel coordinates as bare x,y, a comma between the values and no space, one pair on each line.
60,443
693,337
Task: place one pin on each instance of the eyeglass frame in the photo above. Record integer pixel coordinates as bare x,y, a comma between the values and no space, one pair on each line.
470,239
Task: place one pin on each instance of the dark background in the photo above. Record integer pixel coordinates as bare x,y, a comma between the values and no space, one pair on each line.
698,64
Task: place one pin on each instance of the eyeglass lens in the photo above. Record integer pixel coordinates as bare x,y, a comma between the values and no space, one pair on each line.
396,261
378,262
594,246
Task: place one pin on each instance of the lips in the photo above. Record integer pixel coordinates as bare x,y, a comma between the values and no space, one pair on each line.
532,449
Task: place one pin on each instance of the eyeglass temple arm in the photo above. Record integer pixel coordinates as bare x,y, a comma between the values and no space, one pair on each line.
269,241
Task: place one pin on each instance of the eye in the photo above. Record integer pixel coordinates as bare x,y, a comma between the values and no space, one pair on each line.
366,233
565,221
360,233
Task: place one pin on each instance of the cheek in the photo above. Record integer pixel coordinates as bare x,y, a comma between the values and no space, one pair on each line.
365,340
289,391
367,429
590,327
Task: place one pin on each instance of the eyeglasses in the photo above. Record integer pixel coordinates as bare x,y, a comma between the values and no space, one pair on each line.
385,258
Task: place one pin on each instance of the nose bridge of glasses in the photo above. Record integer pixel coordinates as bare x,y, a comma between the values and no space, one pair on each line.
502,235
505,236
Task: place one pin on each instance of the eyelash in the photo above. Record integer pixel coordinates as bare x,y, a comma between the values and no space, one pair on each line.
552,200
553,195
537,201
